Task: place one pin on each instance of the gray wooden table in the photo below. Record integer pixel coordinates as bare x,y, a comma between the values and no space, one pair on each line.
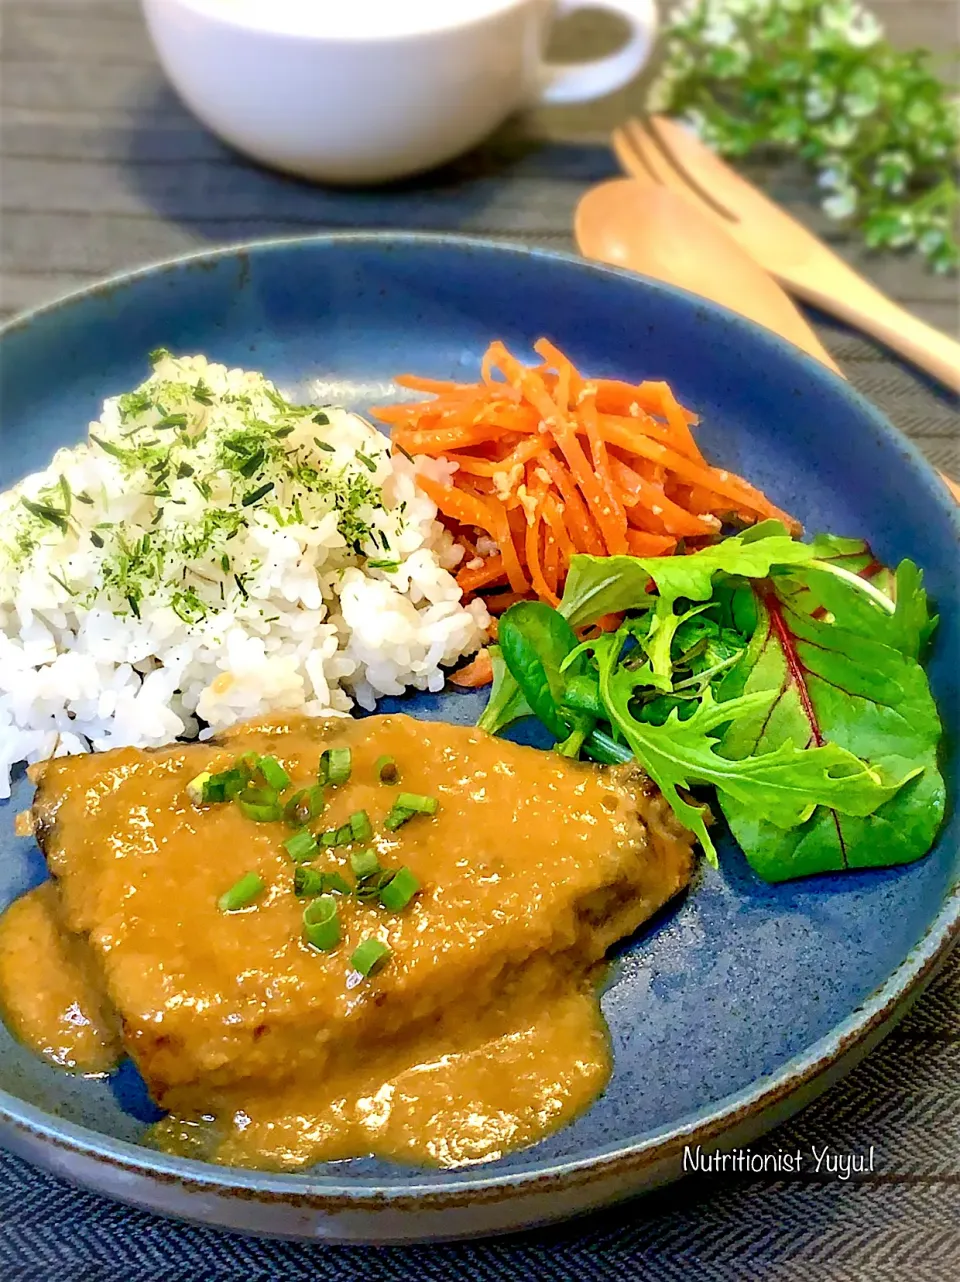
100,170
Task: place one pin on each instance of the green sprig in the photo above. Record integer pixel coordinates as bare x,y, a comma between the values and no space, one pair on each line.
817,79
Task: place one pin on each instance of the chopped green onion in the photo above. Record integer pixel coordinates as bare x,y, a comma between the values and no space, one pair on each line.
301,847
214,788
248,764
385,768
241,894
360,826
309,882
321,418
368,956
370,887
396,818
259,796
399,890
225,785
335,765
260,814
304,806
196,787
260,804
364,863
274,773
321,923
406,806
417,804
337,836
234,782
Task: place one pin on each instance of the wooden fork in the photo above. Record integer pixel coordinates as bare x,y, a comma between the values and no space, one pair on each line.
659,150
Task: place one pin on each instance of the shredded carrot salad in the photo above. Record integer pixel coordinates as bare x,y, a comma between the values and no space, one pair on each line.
550,463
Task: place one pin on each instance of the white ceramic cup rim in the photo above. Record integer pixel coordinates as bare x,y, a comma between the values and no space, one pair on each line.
291,18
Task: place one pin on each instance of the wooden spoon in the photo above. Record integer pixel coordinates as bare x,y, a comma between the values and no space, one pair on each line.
654,231
802,263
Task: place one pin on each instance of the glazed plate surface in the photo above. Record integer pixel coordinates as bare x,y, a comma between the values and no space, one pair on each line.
731,1010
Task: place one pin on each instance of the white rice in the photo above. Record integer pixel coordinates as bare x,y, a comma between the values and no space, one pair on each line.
283,615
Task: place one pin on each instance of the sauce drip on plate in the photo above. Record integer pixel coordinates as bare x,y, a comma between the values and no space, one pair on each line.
51,990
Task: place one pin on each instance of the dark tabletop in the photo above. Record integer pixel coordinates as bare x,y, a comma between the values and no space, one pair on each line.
103,170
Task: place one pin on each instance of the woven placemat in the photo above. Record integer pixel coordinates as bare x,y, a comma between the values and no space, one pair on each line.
101,170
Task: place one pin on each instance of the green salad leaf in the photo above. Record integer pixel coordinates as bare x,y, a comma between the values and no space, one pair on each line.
784,675
784,785
535,640
912,625
599,585
844,672
506,703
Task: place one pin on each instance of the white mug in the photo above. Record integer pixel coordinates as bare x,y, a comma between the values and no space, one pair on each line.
360,91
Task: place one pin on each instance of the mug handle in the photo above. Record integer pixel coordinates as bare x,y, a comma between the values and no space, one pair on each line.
579,82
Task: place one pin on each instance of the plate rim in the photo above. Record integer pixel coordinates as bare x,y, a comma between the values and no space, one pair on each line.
871,1019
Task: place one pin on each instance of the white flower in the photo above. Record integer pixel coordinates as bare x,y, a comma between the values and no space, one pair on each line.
849,21
719,30
679,59
908,228
833,178
838,133
685,9
818,101
842,204
862,96
931,239
864,30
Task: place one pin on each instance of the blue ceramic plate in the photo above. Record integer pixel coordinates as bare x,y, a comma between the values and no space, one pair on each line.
726,1014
